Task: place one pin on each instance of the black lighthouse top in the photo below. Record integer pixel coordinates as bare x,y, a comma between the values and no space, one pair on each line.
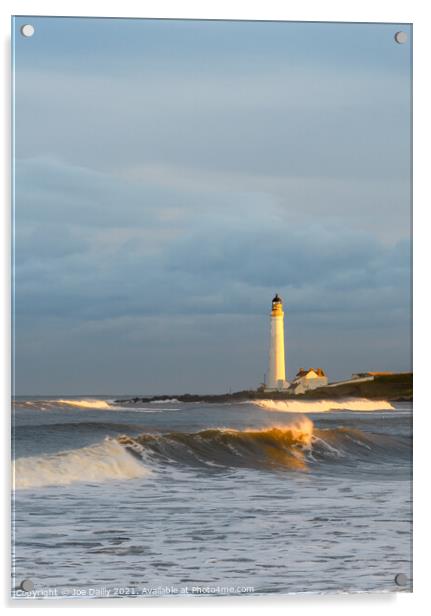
277,299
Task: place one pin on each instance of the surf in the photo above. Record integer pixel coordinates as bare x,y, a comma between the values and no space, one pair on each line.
93,464
88,404
91,404
324,406
296,446
225,447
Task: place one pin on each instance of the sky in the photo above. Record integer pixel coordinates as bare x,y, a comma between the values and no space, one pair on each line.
171,176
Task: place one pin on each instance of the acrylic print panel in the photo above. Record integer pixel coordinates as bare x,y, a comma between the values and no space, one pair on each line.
212,326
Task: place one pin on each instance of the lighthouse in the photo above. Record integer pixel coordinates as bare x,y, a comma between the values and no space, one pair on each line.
277,370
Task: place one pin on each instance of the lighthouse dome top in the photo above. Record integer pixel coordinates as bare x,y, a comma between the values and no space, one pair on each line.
277,306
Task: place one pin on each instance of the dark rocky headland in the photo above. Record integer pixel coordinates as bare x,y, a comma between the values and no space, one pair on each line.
393,387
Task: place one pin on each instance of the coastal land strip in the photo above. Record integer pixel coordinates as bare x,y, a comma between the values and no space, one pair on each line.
393,387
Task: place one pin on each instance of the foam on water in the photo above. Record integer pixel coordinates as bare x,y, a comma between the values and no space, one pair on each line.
323,406
93,404
291,446
88,404
96,463
237,495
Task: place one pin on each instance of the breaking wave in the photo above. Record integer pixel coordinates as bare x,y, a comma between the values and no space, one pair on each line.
88,404
223,447
107,460
297,446
323,406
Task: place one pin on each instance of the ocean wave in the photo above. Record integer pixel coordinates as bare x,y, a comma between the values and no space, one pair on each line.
50,404
297,446
323,406
225,447
88,404
96,463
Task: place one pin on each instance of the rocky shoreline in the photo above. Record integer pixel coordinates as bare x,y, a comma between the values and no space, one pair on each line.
395,388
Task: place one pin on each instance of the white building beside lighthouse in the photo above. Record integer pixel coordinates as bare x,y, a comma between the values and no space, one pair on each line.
276,379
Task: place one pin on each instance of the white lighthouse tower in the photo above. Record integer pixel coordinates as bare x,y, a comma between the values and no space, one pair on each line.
277,371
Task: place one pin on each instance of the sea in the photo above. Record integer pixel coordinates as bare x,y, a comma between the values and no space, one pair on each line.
189,499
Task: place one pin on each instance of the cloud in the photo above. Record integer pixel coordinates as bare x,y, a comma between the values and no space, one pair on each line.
167,185
219,252
276,119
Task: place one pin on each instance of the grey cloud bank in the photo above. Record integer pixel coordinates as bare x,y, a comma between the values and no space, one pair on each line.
157,212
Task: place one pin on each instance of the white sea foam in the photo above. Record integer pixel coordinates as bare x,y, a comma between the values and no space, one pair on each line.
168,401
96,463
89,404
323,406
106,405
299,430
142,409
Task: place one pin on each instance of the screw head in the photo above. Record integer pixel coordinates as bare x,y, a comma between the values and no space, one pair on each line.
400,37
401,579
27,30
27,585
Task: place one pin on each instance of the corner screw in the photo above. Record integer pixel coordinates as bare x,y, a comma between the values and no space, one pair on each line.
401,579
27,585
